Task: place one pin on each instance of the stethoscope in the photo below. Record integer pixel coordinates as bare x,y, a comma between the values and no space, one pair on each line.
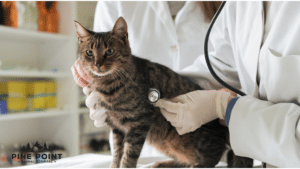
207,57
154,94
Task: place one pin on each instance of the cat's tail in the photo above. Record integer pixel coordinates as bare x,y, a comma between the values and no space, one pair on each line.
235,161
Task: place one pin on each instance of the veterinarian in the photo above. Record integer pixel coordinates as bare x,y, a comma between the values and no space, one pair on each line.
170,33
257,50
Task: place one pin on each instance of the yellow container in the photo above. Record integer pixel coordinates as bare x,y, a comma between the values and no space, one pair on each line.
16,100
39,95
51,94
16,89
39,104
29,91
16,104
3,91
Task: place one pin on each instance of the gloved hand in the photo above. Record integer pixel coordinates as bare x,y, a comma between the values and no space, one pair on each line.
190,111
97,113
82,79
80,76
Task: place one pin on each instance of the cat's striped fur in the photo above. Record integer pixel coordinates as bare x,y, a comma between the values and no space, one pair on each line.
123,81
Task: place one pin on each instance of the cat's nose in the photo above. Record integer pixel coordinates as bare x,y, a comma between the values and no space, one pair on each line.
98,65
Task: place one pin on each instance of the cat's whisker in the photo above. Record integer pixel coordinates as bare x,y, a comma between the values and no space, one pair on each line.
120,74
126,74
115,83
122,78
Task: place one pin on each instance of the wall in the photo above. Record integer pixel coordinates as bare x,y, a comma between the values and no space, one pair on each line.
85,11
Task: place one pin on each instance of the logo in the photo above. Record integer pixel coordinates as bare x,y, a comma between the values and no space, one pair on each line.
37,154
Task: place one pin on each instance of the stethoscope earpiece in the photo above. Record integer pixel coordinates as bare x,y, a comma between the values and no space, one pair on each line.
153,95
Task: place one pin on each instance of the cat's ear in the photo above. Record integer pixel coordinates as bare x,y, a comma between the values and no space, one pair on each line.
120,26
81,31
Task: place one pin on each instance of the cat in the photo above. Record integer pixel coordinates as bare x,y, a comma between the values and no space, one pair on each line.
123,81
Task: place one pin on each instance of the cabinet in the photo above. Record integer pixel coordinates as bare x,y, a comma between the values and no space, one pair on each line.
45,52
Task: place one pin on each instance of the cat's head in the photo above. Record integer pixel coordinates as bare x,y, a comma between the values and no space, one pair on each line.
103,53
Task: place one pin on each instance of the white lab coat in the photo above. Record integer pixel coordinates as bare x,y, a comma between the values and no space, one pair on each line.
155,36
269,51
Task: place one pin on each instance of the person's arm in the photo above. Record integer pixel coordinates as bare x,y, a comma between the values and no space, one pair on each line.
266,131
106,14
222,60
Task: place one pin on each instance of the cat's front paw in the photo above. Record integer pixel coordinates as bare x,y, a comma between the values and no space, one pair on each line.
169,164
128,165
113,165
161,164
156,165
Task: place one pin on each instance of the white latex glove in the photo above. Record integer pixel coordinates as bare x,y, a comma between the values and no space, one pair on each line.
190,111
97,114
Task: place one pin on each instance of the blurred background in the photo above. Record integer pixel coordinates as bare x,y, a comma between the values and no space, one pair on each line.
41,107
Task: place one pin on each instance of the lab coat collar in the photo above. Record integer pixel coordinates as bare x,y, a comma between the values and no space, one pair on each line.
188,6
162,11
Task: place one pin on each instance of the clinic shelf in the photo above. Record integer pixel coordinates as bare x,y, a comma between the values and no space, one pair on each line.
32,74
11,33
84,110
27,49
32,115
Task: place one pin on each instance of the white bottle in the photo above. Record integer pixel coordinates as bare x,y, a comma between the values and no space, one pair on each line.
3,157
27,15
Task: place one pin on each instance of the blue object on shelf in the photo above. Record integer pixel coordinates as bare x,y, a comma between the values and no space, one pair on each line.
54,70
3,108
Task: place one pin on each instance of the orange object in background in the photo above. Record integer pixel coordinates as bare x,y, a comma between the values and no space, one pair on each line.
48,16
10,13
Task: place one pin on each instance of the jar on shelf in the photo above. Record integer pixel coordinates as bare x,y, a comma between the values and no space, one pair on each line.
10,13
1,14
48,16
27,15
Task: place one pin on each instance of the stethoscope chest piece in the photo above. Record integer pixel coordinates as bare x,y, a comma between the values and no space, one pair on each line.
153,95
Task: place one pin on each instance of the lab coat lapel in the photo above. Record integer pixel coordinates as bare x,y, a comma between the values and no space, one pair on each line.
162,11
249,38
184,11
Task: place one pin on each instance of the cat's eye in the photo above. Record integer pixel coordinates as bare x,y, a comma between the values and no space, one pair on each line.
109,52
89,53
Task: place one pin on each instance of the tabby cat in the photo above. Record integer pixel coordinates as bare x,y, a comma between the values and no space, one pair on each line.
123,81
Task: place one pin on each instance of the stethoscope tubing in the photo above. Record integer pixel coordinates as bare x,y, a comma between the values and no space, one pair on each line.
208,61
207,56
